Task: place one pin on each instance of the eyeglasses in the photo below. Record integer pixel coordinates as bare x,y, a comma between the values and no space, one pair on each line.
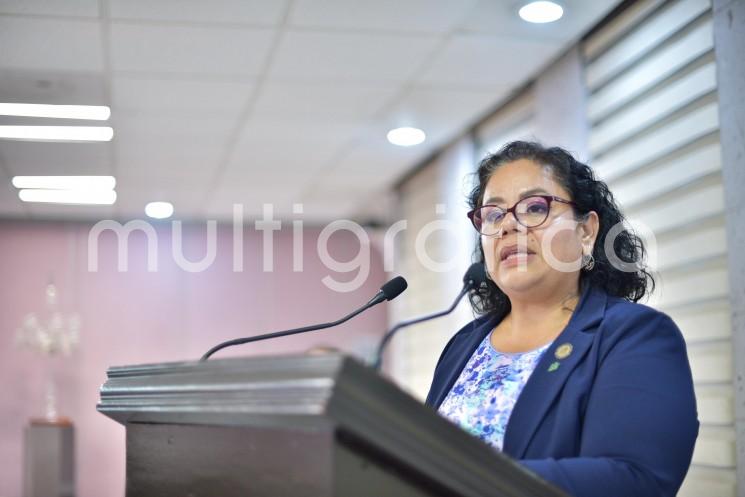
531,212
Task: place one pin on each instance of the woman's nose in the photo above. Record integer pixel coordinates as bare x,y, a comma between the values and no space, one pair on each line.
509,223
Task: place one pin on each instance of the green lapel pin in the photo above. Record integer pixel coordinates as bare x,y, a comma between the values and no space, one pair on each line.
553,367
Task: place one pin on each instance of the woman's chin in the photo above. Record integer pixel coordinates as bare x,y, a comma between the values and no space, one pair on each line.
514,281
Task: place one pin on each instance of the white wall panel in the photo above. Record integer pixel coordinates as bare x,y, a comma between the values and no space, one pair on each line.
711,363
658,142
680,211
675,172
634,118
676,290
715,447
414,353
618,26
654,139
704,323
644,39
715,404
696,245
709,482
659,66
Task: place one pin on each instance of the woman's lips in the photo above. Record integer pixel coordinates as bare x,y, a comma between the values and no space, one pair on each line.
516,259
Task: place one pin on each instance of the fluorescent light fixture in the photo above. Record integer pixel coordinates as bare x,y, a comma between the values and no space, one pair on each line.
87,112
80,183
58,133
105,197
159,210
541,12
406,137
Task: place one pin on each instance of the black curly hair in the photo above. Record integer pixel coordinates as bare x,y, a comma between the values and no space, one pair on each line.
588,194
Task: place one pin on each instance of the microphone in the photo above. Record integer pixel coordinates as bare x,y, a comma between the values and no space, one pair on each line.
474,277
389,291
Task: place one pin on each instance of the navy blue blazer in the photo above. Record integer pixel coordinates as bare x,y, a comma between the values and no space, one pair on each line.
616,417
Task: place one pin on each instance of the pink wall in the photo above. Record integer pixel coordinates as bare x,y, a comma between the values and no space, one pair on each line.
141,317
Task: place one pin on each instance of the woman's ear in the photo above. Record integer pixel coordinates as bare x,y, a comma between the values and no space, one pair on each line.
590,227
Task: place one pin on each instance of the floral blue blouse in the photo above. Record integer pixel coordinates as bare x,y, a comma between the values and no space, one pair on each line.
484,394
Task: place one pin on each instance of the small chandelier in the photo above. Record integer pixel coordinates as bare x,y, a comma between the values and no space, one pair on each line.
53,334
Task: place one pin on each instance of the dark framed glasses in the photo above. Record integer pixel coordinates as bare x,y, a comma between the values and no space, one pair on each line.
531,212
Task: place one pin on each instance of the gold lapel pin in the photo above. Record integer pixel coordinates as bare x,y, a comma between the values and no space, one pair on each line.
563,351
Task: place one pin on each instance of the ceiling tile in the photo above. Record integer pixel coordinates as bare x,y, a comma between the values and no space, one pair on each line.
422,104
442,114
50,44
190,50
63,212
10,205
266,177
372,164
501,18
194,128
252,199
426,16
280,130
173,162
151,174
52,87
46,158
464,62
187,200
287,147
343,73
329,100
255,12
209,98
344,57
68,8
375,156
352,183
327,205
262,167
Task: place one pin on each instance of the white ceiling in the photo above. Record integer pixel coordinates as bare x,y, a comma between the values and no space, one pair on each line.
253,101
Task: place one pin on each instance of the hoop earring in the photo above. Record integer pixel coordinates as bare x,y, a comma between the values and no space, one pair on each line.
588,262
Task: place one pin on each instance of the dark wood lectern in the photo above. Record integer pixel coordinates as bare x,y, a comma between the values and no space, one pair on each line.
295,426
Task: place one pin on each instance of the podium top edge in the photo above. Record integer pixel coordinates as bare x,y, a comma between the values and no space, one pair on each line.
250,363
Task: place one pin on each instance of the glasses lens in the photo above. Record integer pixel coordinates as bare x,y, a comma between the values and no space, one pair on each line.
532,211
488,219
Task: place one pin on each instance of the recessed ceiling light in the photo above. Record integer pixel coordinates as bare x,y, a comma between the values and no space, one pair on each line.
406,137
58,133
87,112
86,183
541,12
159,210
104,197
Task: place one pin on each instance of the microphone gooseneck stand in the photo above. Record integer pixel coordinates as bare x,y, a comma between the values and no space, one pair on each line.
473,278
389,291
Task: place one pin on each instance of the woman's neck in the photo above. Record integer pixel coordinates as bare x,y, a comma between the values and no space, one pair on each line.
533,322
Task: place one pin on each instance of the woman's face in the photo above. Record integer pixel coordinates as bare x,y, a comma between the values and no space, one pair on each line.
537,261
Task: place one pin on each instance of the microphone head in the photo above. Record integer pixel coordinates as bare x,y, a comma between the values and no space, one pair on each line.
475,276
394,288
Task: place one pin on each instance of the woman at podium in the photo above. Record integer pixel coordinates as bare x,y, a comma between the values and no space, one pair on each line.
564,370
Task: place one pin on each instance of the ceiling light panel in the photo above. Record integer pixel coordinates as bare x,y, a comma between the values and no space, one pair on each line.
85,112
541,12
57,133
83,183
72,197
159,210
406,137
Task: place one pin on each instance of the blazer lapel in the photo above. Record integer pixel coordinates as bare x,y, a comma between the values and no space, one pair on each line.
466,348
552,372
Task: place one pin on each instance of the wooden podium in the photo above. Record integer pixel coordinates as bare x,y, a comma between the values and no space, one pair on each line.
317,426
